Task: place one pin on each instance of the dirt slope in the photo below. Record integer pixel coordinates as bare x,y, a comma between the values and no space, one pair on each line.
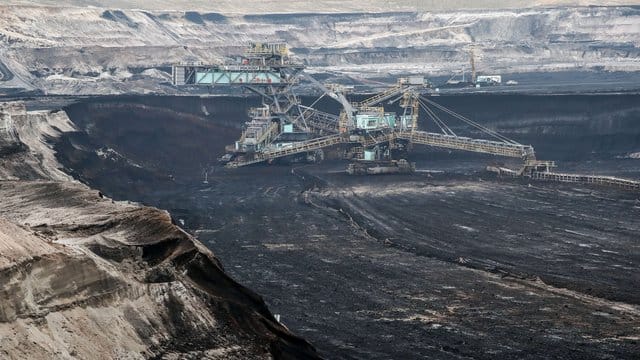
82,276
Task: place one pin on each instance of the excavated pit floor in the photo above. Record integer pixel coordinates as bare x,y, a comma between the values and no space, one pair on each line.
437,267
452,264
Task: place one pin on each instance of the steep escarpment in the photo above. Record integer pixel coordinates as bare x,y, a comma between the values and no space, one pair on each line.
67,50
82,276
24,140
9,141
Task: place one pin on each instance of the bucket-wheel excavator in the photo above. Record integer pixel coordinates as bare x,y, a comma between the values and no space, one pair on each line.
374,140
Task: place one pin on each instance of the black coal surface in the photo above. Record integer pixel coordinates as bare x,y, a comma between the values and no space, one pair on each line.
447,264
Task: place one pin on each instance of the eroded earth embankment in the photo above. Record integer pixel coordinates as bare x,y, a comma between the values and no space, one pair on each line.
82,276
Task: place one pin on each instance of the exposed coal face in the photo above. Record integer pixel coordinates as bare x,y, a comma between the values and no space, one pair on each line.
446,265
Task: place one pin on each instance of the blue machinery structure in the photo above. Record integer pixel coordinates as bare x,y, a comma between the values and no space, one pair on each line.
262,64
373,138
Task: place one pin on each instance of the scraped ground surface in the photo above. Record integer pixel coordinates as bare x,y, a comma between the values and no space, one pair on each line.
439,267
